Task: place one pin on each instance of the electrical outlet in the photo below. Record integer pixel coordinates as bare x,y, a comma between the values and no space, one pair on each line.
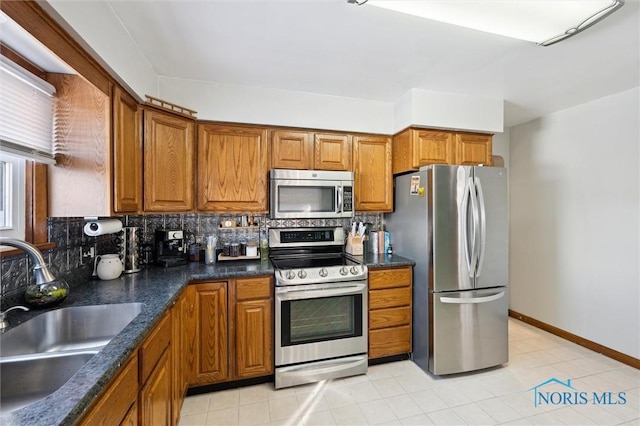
88,253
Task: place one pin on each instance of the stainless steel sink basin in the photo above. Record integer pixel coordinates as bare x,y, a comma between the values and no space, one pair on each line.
26,381
76,328
41,354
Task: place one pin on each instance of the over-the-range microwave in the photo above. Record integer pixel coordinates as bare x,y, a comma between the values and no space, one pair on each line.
310,194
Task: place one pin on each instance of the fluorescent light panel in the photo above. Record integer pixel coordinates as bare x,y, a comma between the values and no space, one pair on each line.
537,21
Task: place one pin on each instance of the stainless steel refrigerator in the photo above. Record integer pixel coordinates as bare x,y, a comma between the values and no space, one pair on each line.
453,221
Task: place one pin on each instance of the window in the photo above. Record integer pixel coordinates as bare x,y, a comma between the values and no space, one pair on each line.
12,196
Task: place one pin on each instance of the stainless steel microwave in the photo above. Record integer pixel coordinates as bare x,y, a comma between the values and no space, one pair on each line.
310,194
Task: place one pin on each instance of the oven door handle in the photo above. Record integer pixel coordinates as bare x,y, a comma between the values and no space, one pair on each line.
324,292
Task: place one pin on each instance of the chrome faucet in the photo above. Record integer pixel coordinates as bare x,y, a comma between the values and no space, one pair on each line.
47,289
3,321
41,272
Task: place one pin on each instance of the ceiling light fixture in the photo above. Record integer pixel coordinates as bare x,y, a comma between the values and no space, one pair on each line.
544,22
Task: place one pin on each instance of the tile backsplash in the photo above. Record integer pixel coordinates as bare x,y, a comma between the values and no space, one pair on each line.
67,258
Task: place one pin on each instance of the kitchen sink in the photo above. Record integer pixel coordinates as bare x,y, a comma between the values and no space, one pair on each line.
77,328
24,381
41,354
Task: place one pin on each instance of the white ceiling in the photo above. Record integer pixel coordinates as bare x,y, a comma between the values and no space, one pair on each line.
335,48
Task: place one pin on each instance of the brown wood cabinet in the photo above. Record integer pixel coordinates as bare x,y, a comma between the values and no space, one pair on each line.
118,402
390,302
291,149
414,148
156,378
332,151
473,149
373,179
230,332
179,330
232,168
169,148
305,150
127,152
208,333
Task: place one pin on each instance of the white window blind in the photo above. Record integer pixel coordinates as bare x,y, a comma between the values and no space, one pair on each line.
26,113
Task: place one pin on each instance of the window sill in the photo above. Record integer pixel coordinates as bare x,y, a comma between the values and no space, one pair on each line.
6,251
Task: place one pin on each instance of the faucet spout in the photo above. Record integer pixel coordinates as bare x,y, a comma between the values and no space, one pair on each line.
41,272
3,322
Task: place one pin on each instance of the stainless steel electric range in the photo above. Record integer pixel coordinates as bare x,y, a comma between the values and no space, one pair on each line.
320,307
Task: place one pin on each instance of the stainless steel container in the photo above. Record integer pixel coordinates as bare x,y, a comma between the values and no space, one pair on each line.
130,248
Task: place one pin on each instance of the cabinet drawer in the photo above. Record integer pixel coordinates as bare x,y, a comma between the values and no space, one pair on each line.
114,404
387,278
254,288
393,317
389,298
389,341
152,348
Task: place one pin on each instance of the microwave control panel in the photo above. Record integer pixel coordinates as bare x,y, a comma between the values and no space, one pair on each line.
347,202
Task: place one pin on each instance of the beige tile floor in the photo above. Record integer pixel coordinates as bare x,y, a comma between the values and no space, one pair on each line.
399,393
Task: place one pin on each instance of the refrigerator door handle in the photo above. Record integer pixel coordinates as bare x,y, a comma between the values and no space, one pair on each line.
483,226
476,225
469,247
464,301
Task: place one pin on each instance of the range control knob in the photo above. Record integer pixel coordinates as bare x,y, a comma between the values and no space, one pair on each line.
354,270
344,271
323,272
302,274
291,274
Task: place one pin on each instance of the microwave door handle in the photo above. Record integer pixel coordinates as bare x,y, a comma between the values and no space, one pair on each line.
339,199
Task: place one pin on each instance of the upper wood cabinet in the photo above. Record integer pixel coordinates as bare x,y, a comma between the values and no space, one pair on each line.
373,179
168,162
473,149
127,152
304,150
414,148
232,168
291,150
332,151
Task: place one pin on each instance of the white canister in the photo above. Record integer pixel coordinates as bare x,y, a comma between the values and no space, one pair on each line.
252,249
108,266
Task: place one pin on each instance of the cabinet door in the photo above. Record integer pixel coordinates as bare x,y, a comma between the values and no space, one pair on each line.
127,153
432,147
178,340
168,162
372,173
156,395
232,168
291,150
254,338
473,149
332,151
208,333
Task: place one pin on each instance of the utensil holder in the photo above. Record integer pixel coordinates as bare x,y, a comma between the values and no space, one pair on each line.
354,245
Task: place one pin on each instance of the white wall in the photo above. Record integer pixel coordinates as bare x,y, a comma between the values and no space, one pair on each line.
101,32
574,220
243,104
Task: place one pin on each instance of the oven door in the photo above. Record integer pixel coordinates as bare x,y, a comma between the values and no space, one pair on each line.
320,321
309,199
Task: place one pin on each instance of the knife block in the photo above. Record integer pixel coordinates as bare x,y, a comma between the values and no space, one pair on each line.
354,245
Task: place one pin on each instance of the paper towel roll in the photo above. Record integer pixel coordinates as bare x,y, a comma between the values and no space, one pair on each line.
101,227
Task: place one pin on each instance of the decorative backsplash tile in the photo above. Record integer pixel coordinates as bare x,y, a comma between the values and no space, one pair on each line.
66,258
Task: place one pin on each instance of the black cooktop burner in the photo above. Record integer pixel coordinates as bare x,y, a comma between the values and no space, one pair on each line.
303,262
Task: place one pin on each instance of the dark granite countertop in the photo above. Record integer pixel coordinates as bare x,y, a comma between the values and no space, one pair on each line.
157,288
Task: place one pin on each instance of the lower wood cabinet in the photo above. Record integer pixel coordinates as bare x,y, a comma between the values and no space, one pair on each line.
390,303
156,394
230,335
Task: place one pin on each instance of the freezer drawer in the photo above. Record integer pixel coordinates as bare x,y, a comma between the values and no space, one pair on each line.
468,330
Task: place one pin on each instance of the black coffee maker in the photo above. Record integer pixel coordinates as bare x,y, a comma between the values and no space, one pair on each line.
170,247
